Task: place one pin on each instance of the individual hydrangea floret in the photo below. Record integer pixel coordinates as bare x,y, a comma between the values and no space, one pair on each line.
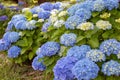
31,25
85,69
47,6
68,39
11,36
59,23
111,68
86,26
79,52
62,69
50,48
37,63
4,45
95,55
98,5
83,13
45,26
14,52
111,46
44,14
101,24
110,4
73,21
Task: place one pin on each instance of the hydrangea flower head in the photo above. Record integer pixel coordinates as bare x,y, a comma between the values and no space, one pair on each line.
78,52
57,5
73,21
111,68
38,65
101,24
110,4
98,5
62,69
47,6
111,46
95,55
21,25
68,39
44,14
83,13
11,36
86,26
59,23
14,52
85,69
36,10
45,26
4,45
31,25
50,48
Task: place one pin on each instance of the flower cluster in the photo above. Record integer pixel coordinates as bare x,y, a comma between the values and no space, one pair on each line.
4,45
3,18
85,69
68,39
59,23
101,24
111,68
49,48
95,55
62,69
111,46
85,26
79,52
37,63
14,52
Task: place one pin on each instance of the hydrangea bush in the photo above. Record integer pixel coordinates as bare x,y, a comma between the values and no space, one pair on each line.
67,41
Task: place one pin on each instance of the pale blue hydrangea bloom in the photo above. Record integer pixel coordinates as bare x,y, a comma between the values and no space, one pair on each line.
95,55
9,26
85,69
68,39
111,46
11,36
44,14
4,45
111,68
37,63
31,25
21,25
50,48
62,69
14,52
47,6
36,10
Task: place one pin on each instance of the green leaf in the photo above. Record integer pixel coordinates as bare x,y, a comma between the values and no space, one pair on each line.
94,14
22,43
28,15
80,38
31,55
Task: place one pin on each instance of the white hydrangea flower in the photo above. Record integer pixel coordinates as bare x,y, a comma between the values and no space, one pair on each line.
85,26
53,19
35,15
62,13
101,24
25,9
40,20
59,23
118,55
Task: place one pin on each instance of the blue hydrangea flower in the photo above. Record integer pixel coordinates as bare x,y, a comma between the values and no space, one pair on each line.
11,36
88,5
3,18
98,5
46,6
31,25
73,21
68,39
45,26
37,64
21,25
57,5
4,45
36,10
62,69
1,6
14,52
71,11
83,13
78,52
95,55
50,48
85,69
111,68
44,14
111,46
9,26
110,4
